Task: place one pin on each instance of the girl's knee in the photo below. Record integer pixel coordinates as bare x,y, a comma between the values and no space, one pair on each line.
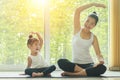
53,67
26,71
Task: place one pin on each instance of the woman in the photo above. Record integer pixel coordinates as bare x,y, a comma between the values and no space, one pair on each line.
83,38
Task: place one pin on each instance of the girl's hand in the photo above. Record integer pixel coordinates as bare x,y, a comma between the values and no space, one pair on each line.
33,32
99,5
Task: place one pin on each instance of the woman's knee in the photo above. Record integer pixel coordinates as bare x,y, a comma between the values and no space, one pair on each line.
66,65
102,69
96,71
61,62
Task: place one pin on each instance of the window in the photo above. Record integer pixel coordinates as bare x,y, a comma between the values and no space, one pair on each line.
19,17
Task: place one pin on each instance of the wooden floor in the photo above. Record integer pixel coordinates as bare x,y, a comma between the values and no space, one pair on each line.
109,75
59,78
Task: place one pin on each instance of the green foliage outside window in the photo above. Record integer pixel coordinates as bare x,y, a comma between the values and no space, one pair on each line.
19,17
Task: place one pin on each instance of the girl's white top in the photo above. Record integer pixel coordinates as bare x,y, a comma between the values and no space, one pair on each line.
38,61
81,54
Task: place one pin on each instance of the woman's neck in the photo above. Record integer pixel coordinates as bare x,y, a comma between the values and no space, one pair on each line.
86,31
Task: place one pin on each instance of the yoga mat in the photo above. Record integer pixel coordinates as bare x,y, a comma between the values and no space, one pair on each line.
57,74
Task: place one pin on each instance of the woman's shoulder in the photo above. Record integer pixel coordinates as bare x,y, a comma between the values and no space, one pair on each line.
94,38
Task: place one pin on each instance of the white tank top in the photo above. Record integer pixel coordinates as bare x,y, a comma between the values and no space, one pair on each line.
81,54
38,61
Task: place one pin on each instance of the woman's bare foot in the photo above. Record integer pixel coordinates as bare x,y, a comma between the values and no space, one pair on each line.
64,73
70,74
78,68
81,73
34,74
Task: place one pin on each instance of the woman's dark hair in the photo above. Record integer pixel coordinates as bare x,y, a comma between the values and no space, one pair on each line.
94,15
31,40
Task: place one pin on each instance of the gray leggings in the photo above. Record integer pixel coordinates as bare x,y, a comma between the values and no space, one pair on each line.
68,66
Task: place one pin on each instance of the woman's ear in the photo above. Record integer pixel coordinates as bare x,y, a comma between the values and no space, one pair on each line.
29,46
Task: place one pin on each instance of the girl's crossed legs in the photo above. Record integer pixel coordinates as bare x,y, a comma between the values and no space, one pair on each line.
38,72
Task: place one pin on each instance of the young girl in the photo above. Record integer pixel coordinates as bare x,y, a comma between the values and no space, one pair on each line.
36,65
83,38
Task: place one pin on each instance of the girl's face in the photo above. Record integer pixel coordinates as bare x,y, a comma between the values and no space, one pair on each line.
35,47
90,23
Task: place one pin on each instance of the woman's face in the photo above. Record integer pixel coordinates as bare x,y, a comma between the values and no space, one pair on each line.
90,23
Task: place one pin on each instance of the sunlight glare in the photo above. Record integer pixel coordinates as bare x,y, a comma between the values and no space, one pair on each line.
38,3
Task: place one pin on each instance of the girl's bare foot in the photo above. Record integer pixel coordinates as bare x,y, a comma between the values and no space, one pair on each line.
49,74
34,74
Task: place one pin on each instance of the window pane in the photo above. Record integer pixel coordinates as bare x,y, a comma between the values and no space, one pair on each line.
17,19
61,27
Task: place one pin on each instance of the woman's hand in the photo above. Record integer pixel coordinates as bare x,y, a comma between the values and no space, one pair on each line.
99,5
100,62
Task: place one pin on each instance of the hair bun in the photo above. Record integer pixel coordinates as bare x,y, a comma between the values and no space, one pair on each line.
94,13
30,36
